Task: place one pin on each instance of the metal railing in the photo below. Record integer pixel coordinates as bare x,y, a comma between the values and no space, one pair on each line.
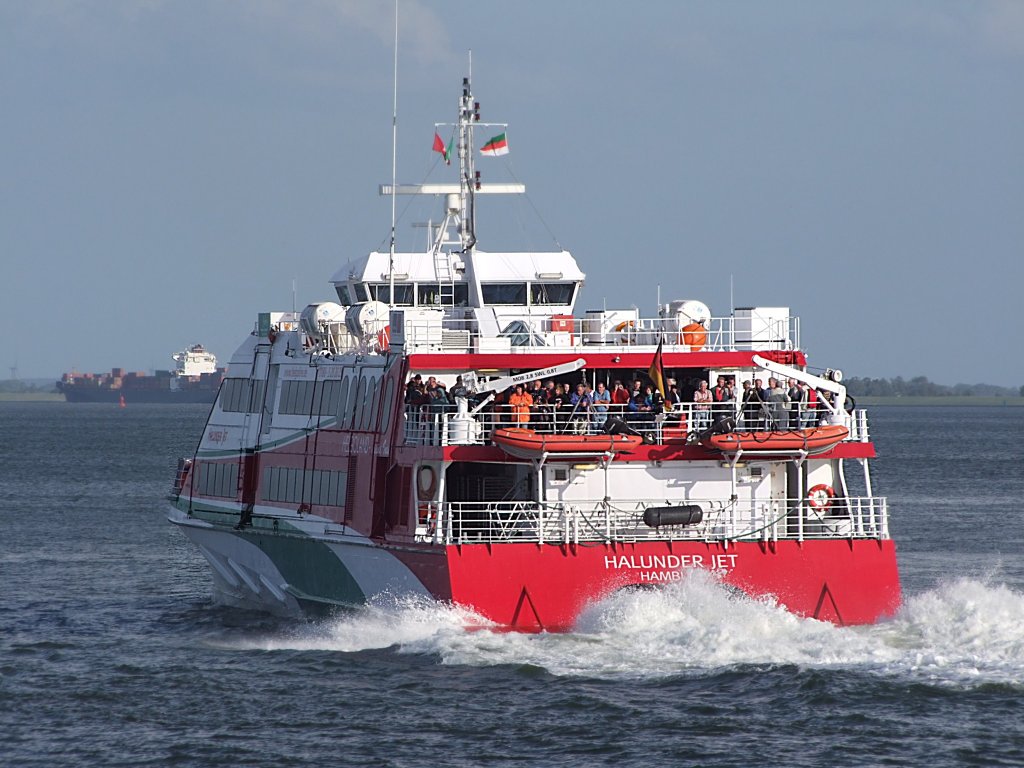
432,424
622,521
537,331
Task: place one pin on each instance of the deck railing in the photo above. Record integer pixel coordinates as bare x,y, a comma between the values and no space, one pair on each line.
622,521
434,425
540,331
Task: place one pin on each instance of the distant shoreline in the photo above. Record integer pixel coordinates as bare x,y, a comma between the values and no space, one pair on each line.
968,400
31,397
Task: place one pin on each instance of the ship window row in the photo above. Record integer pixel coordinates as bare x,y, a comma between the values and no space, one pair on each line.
309,486
241,395
218,479
457,294
425,294
514,294
356,402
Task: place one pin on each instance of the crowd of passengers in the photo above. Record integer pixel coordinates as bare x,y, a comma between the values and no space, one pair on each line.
553,406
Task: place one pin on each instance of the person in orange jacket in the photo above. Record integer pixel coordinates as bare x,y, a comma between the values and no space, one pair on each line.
520,401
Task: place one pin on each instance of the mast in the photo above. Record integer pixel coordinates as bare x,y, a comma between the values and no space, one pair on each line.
394,171
459,226
469,179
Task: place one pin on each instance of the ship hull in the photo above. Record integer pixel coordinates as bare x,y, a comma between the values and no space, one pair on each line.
537,587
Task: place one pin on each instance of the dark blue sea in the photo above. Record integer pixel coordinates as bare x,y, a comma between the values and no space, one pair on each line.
113,653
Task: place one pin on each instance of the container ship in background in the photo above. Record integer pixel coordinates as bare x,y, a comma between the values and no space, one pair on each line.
195,379
331,472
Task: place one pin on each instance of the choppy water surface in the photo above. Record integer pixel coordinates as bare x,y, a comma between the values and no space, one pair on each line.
112,652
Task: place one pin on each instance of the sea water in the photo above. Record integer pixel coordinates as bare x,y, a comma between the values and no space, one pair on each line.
113,653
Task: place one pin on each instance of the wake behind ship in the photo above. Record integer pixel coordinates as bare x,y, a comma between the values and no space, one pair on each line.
450,428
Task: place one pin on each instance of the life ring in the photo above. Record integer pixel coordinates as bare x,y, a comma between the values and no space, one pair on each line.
628,330
820,496
426,482
694,336
384,339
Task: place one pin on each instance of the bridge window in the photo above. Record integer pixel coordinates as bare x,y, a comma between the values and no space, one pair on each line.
551,293
429,295
509,294
382,292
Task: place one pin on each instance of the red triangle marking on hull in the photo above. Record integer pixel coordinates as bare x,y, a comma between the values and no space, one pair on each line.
524,622
827,610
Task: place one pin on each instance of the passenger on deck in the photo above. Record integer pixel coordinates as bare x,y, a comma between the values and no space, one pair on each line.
520,401
672,397
458,390
645,405
751,406
581,405
702,408
601,398
722,397
657,401
437,400
796,404
413,390
806,406
779,406
558,404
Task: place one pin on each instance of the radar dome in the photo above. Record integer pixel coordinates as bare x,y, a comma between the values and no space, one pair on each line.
315,316
691,310
367,318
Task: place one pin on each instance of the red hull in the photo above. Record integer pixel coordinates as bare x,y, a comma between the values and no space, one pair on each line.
546,587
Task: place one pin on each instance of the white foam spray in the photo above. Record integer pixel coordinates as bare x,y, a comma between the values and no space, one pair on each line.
961,633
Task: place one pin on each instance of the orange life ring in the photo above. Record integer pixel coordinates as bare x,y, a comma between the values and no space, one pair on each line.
628,330
426,482
694,336
820,496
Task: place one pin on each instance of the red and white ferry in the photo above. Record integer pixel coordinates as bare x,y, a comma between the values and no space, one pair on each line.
317,484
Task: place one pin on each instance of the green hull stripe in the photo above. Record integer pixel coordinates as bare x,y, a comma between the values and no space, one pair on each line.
309,567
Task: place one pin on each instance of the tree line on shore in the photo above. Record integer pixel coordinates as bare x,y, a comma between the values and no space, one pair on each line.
920,386
27,386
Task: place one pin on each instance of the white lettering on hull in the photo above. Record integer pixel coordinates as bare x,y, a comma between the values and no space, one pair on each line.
661,569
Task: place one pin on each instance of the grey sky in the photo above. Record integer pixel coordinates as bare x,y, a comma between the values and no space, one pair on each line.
168,168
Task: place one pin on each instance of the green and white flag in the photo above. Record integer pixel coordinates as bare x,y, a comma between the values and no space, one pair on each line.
496,146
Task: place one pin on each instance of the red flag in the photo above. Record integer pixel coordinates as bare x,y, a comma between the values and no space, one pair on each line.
439,147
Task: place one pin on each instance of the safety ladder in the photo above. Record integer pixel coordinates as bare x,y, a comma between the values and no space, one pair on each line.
445,278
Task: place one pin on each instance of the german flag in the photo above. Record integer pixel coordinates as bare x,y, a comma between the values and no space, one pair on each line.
657,372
